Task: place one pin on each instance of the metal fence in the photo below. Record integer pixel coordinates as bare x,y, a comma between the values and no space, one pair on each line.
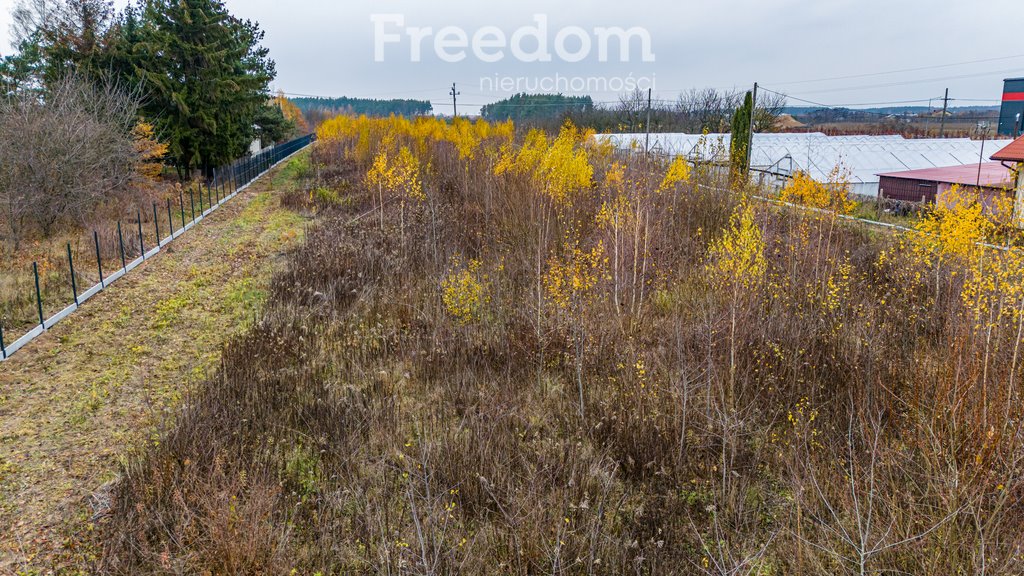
128,247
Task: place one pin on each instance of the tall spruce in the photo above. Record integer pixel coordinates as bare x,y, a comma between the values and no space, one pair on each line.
740,145
206,79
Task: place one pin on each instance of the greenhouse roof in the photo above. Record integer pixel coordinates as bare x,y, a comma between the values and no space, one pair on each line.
863,157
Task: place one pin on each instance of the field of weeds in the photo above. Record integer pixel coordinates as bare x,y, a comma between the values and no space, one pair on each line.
502,353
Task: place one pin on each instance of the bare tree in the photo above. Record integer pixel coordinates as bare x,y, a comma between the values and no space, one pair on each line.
857,511
769,108
631,108
707,109
30,16
65,154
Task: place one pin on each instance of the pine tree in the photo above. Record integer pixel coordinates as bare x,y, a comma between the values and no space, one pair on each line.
205,77
740,145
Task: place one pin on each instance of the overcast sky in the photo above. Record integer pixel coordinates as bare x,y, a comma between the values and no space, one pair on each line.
327,47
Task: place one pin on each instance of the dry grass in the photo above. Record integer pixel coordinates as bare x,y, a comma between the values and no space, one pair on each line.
781,393
102,381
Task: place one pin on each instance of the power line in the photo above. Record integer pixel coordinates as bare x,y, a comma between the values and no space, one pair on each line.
918,69
921,81
821,105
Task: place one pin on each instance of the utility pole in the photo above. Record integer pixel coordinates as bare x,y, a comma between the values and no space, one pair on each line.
983,126
455,103
647,125
945,106
750,142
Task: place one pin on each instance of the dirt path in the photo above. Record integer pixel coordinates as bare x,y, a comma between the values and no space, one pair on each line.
77,399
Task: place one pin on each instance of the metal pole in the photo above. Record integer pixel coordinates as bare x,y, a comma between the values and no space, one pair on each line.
99,260
71,266
647,125
120,242
170,219
39,296
945,106
3,349
750,142
181,203
156,224
981,156
142,244
192,203
200,198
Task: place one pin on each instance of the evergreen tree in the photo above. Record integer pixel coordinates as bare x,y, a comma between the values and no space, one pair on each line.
205,77
740,144
22,70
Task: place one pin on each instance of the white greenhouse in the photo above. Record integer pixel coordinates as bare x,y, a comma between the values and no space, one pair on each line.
777,156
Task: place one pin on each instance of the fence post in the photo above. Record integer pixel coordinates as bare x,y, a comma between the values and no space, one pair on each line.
170,219
39,296
192,203
99,261
142,243
200,198
74,283
3,349
181,202
120,242
156,224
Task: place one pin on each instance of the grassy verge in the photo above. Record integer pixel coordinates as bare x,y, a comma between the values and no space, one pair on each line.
99,383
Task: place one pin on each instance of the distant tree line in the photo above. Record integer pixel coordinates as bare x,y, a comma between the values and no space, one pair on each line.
318,109
693,112
525,108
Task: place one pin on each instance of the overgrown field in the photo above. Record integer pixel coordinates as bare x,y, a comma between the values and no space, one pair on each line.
502,354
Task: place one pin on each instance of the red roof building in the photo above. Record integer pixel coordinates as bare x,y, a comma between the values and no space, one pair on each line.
1012,153
1015,153
927,185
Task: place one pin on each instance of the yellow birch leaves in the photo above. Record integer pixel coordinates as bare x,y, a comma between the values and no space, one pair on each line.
737,257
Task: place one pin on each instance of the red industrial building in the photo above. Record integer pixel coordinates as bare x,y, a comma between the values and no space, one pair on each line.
990,179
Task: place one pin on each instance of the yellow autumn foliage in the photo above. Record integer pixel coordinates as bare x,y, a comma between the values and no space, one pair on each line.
737,257
955,227
291,112
678,173
150,151
832,196
464,291
565,169
571,278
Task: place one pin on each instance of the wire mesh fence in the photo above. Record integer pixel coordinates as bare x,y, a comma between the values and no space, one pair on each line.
60,279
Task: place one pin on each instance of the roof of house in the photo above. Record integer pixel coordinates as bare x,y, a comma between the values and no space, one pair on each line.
1012,153
993,175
